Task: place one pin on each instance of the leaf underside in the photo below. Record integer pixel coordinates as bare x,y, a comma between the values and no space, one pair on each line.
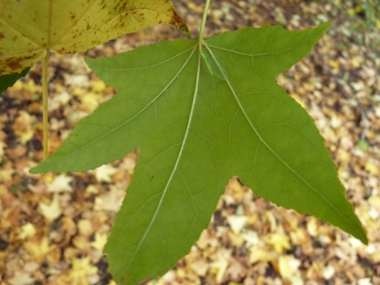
200,117
28,29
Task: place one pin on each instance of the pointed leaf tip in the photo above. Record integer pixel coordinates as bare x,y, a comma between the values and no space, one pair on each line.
178,23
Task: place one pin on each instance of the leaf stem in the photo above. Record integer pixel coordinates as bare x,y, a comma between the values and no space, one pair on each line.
203,24
45,105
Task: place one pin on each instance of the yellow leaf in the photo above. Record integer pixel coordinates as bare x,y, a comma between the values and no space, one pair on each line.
61,183
237,223
100,241
220,267
30,29
334,64
91,101
351,11
200,267
98,86
27,230
6,173
21,278
81,269
251,237
258,254
110,201
52,211
289,268
23,125
38,250
280,242
85,227
236,239
92,189
81,242
372,168
104,173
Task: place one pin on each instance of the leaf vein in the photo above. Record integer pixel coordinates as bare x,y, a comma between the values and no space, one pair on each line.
265,143
258,54
164,192
144,67
73,25
138,113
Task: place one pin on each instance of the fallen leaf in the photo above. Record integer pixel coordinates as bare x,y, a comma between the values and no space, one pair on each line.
372,168
6,172
236,223
27,230
61,183
220,265
38,249
81,242
52,211
280,242
168,278
59,100
104,173
251,237
81,270
289,269
328,272
85,227
23,127
100,241
258,254
110,201
21,278
54,256
236,271
200,267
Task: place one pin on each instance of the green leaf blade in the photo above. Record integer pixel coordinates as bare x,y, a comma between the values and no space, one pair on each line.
288,147
290,165
8,80
117,126
165,186
164,213
198,121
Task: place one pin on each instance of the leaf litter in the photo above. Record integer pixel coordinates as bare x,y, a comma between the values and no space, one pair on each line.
249,240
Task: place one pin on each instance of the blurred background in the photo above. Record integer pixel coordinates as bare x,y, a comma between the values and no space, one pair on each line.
53,227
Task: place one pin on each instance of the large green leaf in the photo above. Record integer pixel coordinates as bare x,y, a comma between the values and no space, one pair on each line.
201,114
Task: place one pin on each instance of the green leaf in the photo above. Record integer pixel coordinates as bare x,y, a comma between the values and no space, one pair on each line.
8,80
28,29
199,118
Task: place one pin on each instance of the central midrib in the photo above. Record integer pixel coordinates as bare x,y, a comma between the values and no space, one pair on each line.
269,148
179,157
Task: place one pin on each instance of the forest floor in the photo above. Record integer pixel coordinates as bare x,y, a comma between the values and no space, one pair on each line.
53,227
